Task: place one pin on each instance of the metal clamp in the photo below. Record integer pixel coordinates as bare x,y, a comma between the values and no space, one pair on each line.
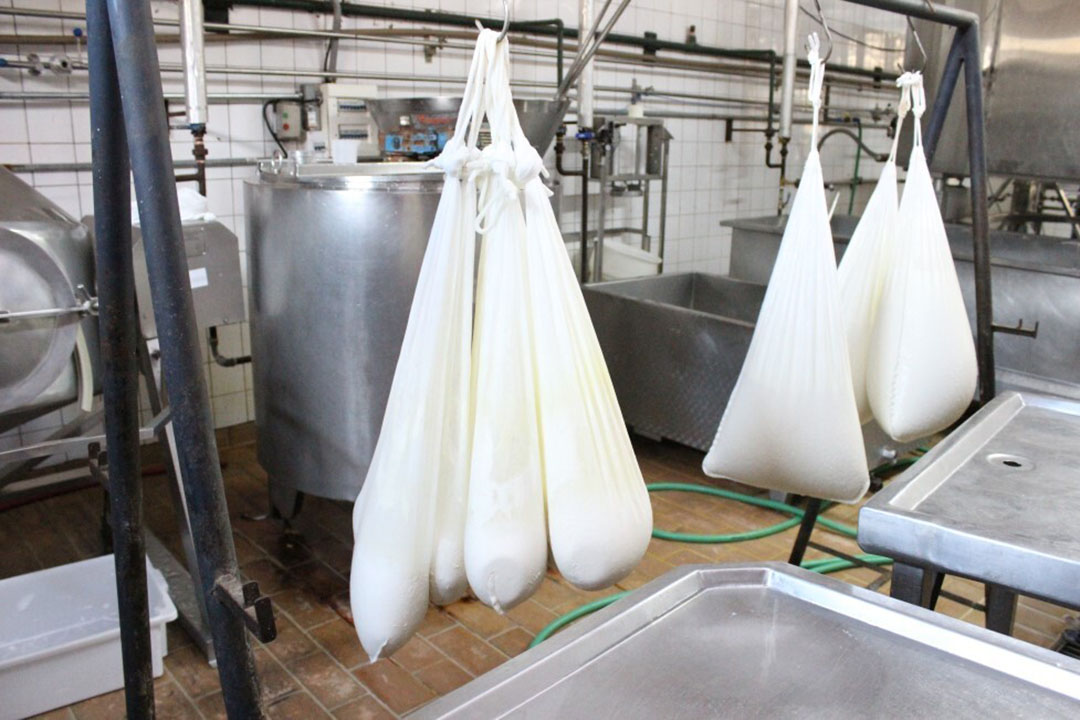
246,602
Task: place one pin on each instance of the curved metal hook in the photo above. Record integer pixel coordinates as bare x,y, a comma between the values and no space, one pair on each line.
918,42
506,21
824,26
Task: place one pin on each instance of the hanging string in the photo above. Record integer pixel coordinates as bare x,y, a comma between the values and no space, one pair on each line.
817,80
904,82
918,104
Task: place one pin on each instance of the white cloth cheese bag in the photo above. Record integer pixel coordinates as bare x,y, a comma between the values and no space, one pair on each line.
921,370
791,423
505,528
408,521
598,510
866,261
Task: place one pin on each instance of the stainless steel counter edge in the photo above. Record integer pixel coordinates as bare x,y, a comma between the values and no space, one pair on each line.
546,663
890,523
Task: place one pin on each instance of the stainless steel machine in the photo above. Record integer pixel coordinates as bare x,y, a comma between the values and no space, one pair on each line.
1029,57
48,344
334,253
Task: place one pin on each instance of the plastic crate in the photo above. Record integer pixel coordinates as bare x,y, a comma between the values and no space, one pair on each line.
60,635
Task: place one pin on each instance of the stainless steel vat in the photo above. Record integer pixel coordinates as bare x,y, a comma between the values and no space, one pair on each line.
1030,53
674,345
1035,279
45,255
333,253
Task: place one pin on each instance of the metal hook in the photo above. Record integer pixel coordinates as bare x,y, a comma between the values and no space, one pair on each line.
506,21
918,42
824,26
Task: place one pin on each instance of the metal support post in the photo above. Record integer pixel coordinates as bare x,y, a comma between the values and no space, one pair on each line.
809,519
136,62
1000,608
120,385
916,585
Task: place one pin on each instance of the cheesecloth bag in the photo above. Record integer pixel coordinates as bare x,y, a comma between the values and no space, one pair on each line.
598,510
921,371
505,532
408,519
866,262
791,423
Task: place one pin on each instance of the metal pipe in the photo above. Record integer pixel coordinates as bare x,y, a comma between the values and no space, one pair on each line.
947,85
924,11
191,45
330,63
663,202
117,320
148,140
584,75
787,84
650,45
879,157
85,166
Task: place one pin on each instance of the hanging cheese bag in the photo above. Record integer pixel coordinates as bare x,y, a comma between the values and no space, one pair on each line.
921,370
408,521
505,531
866,262
791,423
598,510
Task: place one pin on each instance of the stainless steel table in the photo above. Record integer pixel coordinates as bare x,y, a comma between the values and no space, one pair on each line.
998,501
772,641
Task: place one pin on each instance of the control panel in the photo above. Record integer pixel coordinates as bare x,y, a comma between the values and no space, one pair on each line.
345,115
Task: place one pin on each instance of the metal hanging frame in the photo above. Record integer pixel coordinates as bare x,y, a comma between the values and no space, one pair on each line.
128,114
963,53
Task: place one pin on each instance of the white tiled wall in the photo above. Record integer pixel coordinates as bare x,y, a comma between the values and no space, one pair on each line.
711,180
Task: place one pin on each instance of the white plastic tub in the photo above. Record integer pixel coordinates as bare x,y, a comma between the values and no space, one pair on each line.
60,635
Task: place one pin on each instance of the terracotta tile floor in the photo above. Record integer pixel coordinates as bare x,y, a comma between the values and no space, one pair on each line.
315,668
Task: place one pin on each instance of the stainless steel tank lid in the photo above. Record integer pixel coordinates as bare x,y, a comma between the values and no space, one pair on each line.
32,352
385,175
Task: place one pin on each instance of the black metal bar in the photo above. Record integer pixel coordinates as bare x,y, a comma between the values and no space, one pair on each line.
1000,608
148,140
809,519
942,101
117,321
980,209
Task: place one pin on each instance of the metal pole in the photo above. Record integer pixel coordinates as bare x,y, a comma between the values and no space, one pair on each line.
663,202
120,385
585,78
148,140
191,44
980,209
586,154
943,99
787,86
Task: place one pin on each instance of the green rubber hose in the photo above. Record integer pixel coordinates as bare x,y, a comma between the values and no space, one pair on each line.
795,519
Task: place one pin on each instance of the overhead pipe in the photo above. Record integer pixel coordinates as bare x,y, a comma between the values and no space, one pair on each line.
118,321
